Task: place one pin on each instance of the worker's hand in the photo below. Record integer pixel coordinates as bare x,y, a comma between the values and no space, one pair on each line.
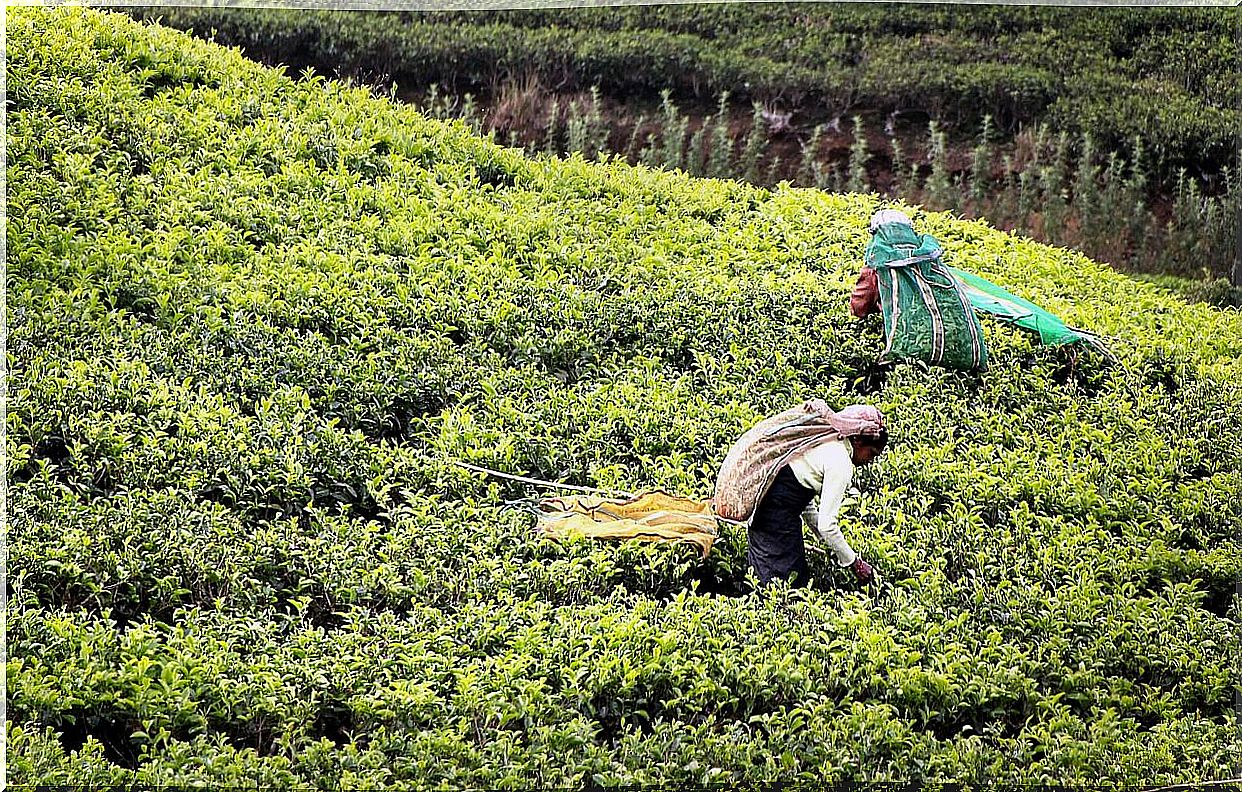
862,570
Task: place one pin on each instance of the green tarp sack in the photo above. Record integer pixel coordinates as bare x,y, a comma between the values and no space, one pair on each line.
927,315
991,299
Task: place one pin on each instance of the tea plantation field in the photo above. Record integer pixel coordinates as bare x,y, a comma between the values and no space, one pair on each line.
1167,76
252,320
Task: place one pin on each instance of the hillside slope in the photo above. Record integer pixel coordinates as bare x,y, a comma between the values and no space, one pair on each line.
1164,75
252,320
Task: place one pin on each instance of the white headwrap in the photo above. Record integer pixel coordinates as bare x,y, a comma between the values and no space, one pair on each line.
885,216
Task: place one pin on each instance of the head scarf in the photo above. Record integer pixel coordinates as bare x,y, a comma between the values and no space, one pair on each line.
886,216
857,419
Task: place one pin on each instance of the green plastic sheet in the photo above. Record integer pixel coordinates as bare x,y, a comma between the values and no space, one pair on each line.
989,298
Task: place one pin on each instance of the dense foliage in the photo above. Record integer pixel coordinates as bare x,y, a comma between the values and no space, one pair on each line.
1168,76
1044,183
252,321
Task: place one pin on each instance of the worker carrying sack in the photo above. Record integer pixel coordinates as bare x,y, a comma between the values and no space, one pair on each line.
745,477
927,315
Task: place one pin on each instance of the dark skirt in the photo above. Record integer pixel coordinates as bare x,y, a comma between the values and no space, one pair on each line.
775,548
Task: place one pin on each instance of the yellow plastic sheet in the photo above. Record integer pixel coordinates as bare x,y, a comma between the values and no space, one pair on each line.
649,516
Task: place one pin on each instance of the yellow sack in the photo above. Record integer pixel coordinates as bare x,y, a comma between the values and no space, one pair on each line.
650,516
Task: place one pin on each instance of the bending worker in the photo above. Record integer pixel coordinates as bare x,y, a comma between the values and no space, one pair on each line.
772,475
927,315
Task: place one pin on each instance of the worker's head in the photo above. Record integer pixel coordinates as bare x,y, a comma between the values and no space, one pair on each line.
886,216
863,425
868,446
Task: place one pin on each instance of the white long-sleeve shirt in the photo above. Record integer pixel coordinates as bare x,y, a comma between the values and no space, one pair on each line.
827,469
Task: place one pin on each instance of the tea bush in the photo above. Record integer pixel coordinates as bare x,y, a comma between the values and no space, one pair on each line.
253,321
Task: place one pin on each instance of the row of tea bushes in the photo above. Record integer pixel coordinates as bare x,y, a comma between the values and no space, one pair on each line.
1164,75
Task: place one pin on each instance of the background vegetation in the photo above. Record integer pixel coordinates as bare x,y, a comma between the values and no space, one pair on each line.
1043,184
1164,75
253,320
1109,130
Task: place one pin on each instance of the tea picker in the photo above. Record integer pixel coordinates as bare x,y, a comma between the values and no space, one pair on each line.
929,308
927,315
774,473
790,469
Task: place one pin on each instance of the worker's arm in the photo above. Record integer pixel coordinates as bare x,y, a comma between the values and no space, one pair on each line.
865,299
838,472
